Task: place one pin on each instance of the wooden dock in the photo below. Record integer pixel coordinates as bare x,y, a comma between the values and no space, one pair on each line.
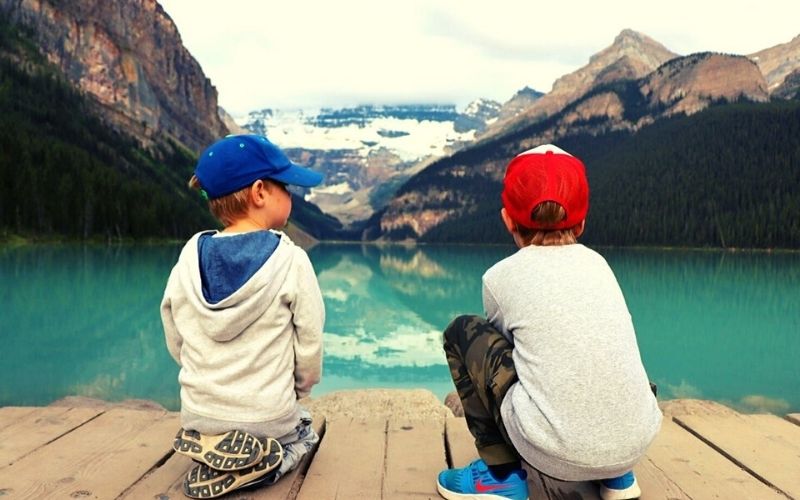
120,453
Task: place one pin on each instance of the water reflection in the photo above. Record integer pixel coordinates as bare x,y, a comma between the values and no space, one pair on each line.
715,325
84,320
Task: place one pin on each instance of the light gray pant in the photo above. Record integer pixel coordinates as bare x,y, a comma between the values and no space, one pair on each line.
296,444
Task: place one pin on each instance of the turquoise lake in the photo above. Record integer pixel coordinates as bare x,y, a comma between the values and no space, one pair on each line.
84,320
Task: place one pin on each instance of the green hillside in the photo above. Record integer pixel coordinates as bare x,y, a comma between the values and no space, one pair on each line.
65,174
726,177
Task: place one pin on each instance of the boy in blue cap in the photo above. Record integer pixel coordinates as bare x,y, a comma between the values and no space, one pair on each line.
553,374
243,317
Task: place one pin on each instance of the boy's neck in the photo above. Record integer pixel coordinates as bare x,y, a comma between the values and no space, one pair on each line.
246,225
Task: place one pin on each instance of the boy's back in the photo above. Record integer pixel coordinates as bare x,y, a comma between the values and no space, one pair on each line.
243,317
582,387
230,310
552,376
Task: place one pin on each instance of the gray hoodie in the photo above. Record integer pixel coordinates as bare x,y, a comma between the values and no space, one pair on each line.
582,408
245,358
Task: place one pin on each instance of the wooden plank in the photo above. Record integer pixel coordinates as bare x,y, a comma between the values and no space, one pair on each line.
12,414
765,445
414,456
100,459
655,483
349,462
793,418
163,482
699,471
38,428
459,441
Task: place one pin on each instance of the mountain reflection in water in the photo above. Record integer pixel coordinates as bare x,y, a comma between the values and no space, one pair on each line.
83,320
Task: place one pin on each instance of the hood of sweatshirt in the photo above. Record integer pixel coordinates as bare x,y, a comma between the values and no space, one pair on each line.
230,281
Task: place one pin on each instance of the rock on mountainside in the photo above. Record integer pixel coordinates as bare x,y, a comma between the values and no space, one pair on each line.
688,84
127,55
790,88
778,62
632,55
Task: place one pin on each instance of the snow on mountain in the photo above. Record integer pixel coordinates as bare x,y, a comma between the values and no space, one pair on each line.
366,152
411,132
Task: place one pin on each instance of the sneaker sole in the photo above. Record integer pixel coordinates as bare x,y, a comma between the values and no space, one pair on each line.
234,450
452,495
206,482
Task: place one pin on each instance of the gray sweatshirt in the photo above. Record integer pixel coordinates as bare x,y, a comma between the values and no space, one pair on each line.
582,408
247,351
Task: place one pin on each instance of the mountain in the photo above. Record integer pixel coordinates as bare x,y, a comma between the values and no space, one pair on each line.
689,84
726,176
127,55
778,62
790,88
683,85
631,55
65,173
366,152
518,103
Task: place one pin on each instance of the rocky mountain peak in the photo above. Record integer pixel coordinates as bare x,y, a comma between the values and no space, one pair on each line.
632,55
128,56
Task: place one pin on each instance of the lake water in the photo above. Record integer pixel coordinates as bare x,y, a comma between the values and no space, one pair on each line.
83,320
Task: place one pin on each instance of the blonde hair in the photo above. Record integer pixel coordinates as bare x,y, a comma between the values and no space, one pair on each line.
229,208
548,213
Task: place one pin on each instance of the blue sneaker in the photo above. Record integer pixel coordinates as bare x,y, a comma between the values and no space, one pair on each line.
623,487
475,482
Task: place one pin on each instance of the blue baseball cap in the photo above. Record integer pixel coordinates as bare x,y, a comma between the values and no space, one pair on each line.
237,161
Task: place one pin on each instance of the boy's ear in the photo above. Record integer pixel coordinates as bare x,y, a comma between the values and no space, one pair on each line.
578,230
258,193
511,226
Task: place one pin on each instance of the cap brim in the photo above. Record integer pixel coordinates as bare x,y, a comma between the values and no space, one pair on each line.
296,175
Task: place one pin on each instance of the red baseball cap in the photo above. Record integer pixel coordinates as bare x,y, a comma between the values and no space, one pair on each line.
545,173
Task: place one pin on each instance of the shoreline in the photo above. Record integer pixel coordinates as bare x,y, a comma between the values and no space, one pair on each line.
16,241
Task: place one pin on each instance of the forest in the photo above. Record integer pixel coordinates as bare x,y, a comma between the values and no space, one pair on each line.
66,174
726,177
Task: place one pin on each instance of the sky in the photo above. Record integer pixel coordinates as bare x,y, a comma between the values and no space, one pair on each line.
304,53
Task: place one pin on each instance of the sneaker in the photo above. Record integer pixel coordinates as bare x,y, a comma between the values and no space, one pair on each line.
623,487
234,450
475,482
206,482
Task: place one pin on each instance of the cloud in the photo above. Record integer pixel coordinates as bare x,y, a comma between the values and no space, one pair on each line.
316,53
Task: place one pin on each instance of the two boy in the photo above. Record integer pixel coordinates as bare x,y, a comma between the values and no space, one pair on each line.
552,376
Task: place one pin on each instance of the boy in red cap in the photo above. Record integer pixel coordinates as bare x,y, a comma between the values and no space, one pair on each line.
243,317
553,375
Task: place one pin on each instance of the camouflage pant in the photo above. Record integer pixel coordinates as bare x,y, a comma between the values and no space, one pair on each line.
482,370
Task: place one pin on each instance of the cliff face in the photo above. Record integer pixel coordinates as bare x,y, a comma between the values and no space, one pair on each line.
128,56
